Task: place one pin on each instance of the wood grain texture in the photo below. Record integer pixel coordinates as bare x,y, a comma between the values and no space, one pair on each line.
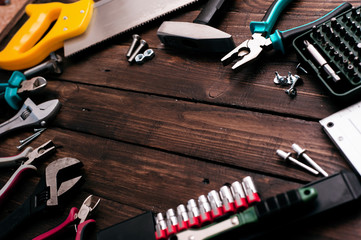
155,135
10,14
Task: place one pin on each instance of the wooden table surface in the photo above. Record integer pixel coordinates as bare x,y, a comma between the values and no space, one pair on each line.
155,135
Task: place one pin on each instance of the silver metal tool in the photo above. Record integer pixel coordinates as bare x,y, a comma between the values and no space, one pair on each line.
114,17
54,65
197,36
344,129
172,221
227,198
301,153
31,85
287,156
321,61
250,190
292,92
211,231
216,203
27,156
239,195
193,210
280,80
182,216
160,224
31,115
37,130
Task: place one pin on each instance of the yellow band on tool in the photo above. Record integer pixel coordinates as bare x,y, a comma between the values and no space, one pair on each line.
29,47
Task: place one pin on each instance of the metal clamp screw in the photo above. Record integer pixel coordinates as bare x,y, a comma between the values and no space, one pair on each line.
301,152
292,92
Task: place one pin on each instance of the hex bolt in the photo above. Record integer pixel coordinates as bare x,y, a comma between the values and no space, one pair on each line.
287,157
135,42
142,45
301,153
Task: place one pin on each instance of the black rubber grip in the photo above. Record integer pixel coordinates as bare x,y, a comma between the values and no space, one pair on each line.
210,11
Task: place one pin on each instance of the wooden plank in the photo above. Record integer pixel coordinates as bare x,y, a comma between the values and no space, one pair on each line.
10,14
130,179
226,135
202,77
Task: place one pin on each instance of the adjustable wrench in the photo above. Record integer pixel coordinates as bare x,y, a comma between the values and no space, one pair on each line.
31,115
60,176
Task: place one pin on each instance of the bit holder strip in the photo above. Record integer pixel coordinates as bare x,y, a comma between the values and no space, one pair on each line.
338,42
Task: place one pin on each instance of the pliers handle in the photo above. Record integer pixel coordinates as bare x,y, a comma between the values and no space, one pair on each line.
27,157
75,214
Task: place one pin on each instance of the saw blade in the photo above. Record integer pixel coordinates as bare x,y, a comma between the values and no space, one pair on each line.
114,17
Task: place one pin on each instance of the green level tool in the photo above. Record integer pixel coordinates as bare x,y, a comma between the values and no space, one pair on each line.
261,212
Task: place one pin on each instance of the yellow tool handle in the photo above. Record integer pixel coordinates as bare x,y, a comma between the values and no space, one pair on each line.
29,46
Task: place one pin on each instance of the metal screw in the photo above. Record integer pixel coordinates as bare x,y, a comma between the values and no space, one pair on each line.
27,140
136,39
38,132
300,68
292,92
142,45
301,152
287,156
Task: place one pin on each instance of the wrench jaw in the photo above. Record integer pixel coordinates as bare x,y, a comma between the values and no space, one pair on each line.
62,176
31,115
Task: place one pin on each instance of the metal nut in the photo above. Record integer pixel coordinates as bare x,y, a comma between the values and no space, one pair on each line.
140,58
149,54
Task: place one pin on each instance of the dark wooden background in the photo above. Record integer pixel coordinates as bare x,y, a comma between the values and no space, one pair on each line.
156,135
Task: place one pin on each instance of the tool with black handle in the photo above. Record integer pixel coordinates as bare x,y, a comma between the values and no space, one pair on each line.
197,36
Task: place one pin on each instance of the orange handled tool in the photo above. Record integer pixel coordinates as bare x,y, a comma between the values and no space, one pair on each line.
29,46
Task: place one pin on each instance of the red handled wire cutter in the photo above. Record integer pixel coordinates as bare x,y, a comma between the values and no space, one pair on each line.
73,217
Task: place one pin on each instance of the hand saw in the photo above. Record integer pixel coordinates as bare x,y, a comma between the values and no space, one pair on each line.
92,24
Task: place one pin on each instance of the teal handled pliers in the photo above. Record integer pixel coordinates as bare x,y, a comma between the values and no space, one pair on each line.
18,88
263,39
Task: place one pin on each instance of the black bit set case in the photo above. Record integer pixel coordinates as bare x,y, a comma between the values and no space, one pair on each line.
339,43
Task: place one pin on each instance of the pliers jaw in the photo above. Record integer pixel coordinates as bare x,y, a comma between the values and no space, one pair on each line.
86,208
247,51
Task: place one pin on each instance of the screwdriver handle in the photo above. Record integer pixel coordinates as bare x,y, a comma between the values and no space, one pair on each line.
282,38
269,20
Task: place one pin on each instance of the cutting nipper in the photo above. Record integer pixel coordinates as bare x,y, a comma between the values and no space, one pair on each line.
19,88
262,39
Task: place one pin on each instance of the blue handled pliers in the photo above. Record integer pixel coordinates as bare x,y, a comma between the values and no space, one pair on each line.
18,88
263,39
